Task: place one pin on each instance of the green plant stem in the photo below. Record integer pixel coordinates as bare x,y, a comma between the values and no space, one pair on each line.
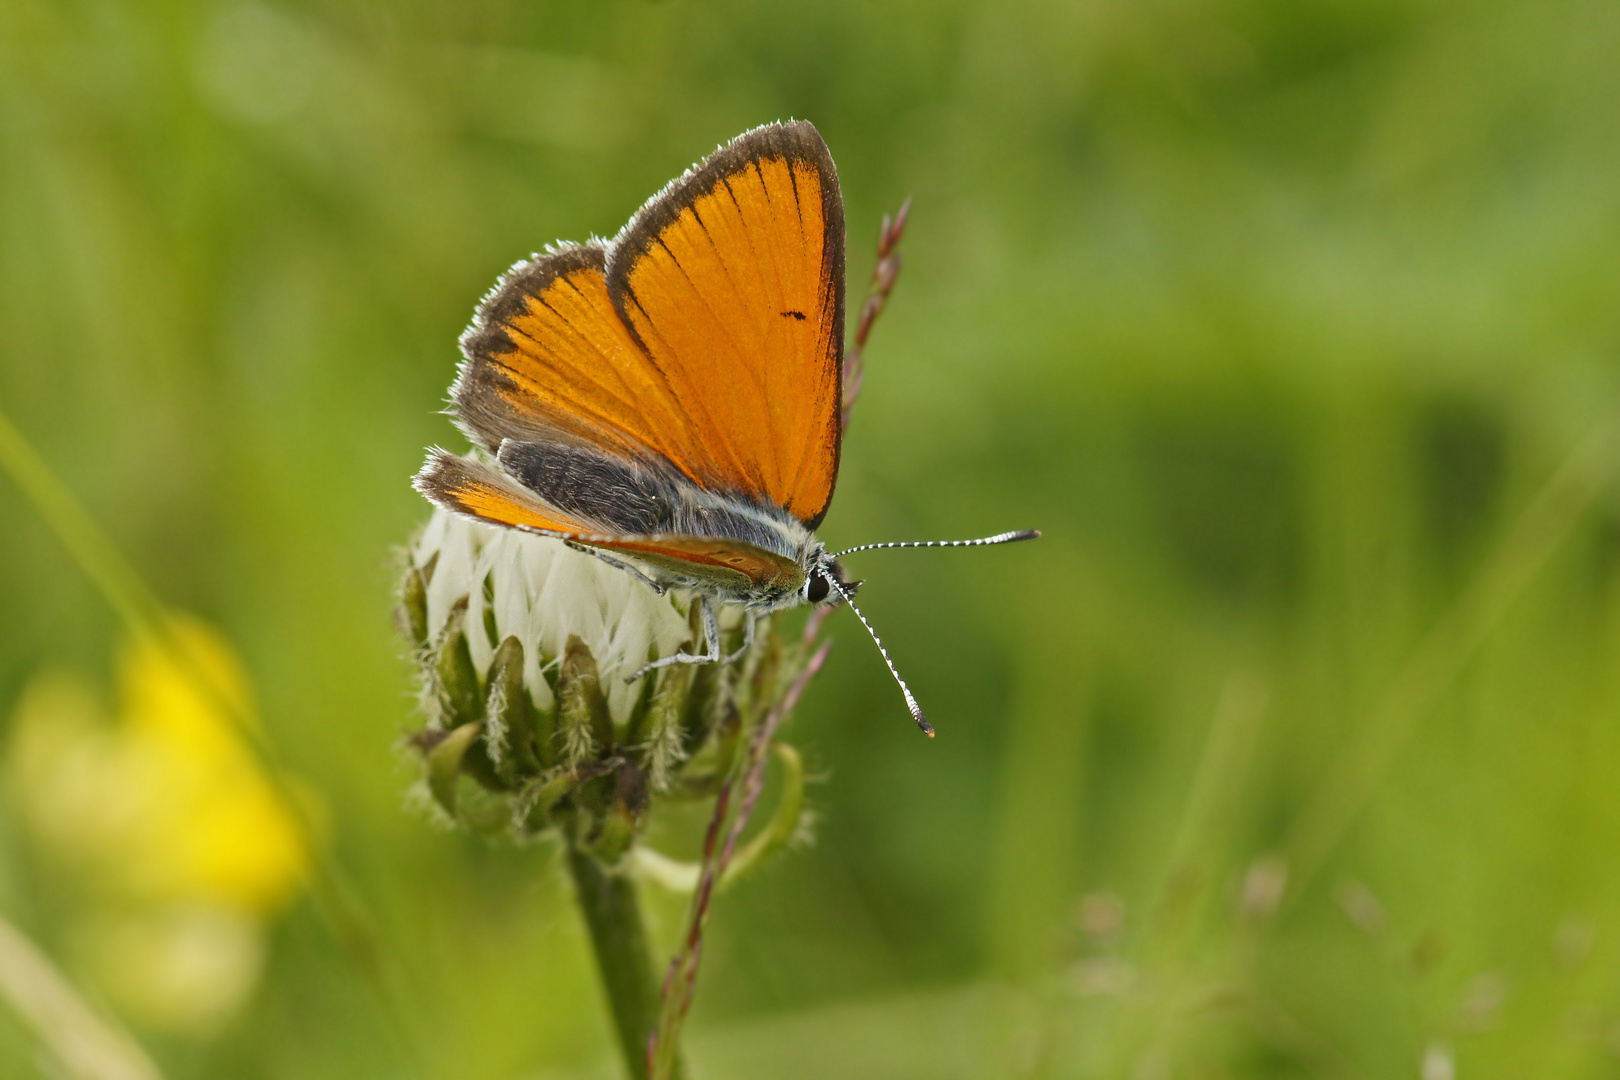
612,913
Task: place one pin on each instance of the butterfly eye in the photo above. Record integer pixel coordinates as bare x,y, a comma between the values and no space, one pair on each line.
817,588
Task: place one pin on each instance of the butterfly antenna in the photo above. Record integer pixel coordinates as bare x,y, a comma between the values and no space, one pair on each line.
983,541
911,702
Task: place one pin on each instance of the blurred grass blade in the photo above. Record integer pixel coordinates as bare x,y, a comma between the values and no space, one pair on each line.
89,546
144,615
1206,818
86,1046
1545,522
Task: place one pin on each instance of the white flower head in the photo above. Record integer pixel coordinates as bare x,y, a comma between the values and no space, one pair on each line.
524,646
542,592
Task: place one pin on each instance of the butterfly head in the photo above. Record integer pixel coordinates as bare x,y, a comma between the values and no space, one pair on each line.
819,587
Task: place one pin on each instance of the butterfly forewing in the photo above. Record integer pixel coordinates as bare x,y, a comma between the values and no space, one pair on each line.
732,281
549,356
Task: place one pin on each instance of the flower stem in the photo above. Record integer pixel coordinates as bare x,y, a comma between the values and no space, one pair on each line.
612,913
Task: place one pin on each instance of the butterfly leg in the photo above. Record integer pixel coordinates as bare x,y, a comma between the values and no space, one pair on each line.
748,638
622,565
711,631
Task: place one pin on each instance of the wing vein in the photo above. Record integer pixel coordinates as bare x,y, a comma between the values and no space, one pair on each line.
759,376
697,404
807,450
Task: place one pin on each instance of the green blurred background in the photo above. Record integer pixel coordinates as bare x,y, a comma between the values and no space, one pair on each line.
1291,750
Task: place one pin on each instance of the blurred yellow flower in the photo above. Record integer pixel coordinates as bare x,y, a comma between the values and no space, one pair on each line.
183,844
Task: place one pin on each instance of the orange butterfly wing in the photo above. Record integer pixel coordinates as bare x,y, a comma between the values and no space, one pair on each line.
732,280
735,563
478,491
709,334
548,357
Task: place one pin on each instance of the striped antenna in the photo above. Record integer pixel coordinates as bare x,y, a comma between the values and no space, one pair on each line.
984,541
911,702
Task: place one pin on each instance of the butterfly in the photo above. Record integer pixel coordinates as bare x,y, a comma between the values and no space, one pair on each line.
670,400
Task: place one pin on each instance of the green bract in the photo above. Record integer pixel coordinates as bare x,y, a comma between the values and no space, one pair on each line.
523,645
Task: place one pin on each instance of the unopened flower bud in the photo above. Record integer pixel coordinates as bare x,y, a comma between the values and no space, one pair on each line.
661,735
583,722
459,696
413,608
509,716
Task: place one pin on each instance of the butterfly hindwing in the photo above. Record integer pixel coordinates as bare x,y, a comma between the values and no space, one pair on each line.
474,490
738,567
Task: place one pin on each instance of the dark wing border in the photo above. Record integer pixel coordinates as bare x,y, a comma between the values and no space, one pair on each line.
479,378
